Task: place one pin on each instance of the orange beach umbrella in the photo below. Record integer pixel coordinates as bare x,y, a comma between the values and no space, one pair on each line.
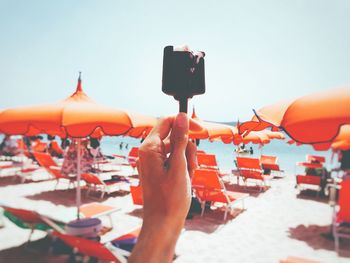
211,130
77,116
312,119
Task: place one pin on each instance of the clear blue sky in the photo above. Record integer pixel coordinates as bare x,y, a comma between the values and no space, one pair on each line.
258,52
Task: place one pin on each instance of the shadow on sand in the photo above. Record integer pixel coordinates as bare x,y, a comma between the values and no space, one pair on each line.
14,180
319,237
211,220
253,190
67,197
312,195
36,252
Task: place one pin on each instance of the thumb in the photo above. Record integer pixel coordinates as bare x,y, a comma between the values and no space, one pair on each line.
178,141
179,134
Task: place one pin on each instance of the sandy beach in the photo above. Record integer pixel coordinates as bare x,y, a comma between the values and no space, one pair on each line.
276,224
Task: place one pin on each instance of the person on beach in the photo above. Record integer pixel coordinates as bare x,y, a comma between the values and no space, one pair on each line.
166,162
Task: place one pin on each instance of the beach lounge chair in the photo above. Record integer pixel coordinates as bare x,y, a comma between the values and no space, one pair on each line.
117,250
250,168
208,187
291,259
95,183
269,163
45,160
208,161
136,194
341,218
133,156
29,220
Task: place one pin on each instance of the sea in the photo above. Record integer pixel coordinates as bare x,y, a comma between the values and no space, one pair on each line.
288,155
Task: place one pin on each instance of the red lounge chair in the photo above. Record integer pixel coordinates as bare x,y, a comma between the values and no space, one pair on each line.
304,180
136,194
95,183
45,160
315,159
250,168
29,219
341,218
208,161
209,188
133,156
270,163
110,252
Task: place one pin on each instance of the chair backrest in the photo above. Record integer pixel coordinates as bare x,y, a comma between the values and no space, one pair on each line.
205,159
91,179
87,247
136,194
27,216
344,201
45,160
248,163
133,155
315,158
134,152
56,148
268,159
39,146
206,178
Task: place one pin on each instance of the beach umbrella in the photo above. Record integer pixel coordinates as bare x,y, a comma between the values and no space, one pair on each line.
77,116
311,119
211,130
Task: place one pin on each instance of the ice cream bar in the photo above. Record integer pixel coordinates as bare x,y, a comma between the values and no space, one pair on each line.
183,74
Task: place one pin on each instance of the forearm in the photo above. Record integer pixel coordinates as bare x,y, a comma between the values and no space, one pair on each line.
156,242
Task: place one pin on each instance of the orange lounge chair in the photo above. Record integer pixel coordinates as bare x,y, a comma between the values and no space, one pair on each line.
45,160
136,194
29,219
95,183
250,168
341,218
303,181
208,187
270,163
297,260
208,161
117,250
133,156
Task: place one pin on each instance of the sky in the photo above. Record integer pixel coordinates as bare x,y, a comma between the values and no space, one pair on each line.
257,52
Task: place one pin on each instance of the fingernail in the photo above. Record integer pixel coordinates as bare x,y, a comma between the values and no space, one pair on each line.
182,120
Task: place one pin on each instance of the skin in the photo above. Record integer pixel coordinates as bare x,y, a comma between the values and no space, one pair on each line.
167,160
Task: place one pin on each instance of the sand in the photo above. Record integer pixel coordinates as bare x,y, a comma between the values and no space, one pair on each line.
276,224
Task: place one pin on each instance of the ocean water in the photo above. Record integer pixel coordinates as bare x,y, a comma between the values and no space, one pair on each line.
287,154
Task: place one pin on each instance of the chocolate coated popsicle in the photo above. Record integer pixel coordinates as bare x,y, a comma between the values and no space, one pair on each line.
183,75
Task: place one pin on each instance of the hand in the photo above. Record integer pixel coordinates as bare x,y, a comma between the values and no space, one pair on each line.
166,161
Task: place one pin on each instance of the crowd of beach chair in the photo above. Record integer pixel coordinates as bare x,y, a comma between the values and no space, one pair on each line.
209,187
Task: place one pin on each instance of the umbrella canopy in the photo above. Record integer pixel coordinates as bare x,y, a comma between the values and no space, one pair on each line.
77,116
211,130
312,119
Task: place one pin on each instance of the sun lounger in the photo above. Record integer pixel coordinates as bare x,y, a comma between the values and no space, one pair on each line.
136,194
269,163
250,169
341,218
117,250
208,187
30,220
298,260
94,183
45,160
208,161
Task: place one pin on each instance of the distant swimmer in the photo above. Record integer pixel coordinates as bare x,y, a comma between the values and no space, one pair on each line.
251,150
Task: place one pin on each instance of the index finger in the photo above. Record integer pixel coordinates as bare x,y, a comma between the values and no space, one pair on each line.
162,128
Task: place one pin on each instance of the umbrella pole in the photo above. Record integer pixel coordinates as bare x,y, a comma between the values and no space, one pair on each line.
78,197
